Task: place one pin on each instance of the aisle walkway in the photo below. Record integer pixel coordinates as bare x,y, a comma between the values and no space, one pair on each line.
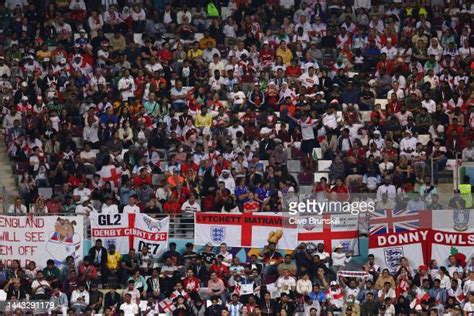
8,185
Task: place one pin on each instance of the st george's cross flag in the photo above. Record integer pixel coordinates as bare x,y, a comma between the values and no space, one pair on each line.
331,230
112,174
167,305
127,231
244,230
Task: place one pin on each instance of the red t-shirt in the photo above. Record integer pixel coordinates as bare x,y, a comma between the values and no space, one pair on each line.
251,206
342,192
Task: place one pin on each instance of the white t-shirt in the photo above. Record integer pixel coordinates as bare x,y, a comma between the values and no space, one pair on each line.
129,209
408,143
126,83
308,81
330,120
430,105
285,285
389,189
189,209
390,293
84,194
237,97
87,155
17,210
129,309
307,131
110,209
41,285
469,307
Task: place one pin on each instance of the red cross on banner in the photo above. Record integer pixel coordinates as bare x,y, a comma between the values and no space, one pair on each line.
245,230
167,305
110,173
327,234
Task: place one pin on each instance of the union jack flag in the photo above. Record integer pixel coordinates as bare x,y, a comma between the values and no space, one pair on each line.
397,221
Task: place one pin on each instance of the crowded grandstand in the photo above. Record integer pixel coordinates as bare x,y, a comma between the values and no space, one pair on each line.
162,153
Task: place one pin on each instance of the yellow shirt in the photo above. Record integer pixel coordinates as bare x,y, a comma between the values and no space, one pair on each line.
113,260
203,121
192,54
205,40
43,54
286,55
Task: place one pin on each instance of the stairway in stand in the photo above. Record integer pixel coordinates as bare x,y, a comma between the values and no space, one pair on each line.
7,179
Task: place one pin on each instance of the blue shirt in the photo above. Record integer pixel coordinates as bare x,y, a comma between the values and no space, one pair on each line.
320,296
262,193
106,119
241,191
125,194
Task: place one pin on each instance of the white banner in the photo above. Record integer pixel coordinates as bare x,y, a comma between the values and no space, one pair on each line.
452,233
388,257
244,230
331,230
39,238
127,231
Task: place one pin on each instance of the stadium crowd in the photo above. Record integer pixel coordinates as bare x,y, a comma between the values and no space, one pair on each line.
214,283
178,107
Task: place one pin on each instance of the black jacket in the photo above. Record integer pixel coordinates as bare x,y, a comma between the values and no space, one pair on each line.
103,259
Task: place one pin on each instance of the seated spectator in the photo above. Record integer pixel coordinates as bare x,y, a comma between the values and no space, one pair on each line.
80,298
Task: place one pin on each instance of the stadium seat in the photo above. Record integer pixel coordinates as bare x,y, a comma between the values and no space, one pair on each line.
198,36
319,175
382,102
79,141
319,152
294,165
296,153
45,193
305,189
424,139
305,178
226,12
137,38
323,165
365,116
